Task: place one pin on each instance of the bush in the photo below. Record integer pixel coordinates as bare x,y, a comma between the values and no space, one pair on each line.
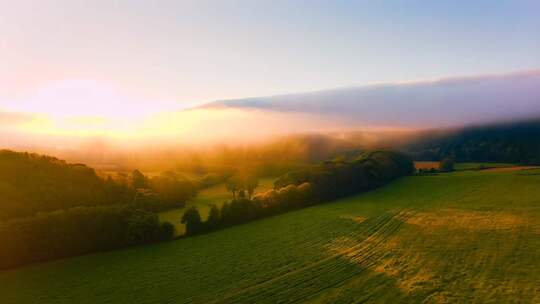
446,165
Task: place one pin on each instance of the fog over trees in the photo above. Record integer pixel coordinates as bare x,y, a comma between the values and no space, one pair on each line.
311,185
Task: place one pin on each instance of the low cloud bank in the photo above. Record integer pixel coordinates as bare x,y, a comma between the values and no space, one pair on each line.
390,109
447,102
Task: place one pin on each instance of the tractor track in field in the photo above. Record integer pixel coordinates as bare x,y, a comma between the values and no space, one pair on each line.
331,271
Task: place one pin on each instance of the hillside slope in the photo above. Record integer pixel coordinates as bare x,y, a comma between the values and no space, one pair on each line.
32,183
514,142
461,237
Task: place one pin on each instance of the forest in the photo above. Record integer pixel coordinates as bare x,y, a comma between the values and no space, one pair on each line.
51,209
512,142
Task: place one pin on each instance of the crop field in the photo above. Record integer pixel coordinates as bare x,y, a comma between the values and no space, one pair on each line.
465,237
215,195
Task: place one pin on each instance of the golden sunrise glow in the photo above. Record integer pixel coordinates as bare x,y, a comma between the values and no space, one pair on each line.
196,125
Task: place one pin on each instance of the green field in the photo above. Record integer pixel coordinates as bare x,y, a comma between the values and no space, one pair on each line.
465,237
461,166
473,166
204,200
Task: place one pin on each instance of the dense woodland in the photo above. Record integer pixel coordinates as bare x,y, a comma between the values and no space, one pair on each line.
517,142
77,231
51,209
312,185
31,183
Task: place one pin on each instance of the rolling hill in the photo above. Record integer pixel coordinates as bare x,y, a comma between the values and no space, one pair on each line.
511,142
468,236
32,183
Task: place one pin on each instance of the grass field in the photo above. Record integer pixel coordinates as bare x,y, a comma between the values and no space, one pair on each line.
460,166
472,166
465,237
204,200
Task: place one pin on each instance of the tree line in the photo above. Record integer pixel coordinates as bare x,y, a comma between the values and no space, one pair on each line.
50,209
165,191
32,183
298,189
76,231
515,142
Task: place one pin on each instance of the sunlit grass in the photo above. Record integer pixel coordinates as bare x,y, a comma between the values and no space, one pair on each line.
215,195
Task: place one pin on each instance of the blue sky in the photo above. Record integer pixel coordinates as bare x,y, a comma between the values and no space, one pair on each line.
192,52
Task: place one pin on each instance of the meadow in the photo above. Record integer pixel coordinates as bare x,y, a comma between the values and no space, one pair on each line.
467,236
463,166
214,195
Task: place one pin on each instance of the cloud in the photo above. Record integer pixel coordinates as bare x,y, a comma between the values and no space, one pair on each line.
8,119
14,128
431,103
75,111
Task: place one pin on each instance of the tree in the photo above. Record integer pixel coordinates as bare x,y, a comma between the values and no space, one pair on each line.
446,165
32,183
167,231
173,190
238,211
214,218
147,199
308,186
250,184
143,227
77,231
233,185
192,220
138,180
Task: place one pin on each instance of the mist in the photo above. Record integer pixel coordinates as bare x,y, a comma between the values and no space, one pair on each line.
351,118
447,102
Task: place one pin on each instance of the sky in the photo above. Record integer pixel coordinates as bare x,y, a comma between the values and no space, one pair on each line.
88,61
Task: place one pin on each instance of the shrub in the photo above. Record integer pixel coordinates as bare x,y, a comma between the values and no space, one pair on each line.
446,165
